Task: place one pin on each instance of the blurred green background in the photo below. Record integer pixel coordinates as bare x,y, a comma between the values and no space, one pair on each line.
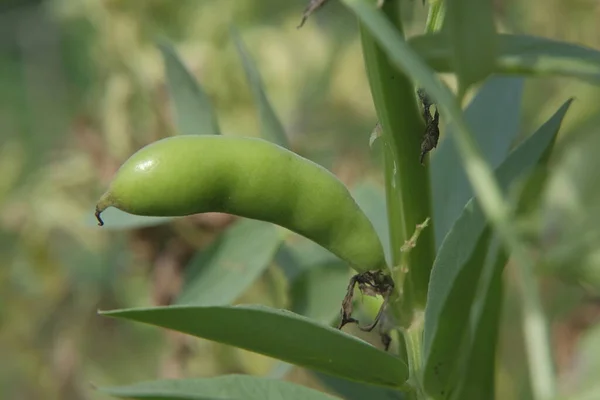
82,87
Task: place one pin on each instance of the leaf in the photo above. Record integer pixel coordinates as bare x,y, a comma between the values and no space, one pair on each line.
476,372
494,116
318,292
119,220
221,274
445,352
299,254
472,38
371,199
271,126
520,54
280,334
229,387
455,270
191,107
359,391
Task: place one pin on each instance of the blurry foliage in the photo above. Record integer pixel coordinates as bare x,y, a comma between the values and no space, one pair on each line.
83,87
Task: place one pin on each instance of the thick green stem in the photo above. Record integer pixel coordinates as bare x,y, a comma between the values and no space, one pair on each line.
407,181
435,17
413,339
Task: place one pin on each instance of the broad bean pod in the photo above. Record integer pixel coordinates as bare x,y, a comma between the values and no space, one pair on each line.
247,177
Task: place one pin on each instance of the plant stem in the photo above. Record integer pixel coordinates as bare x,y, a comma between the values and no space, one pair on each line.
407,182
435,16
413,338
541,366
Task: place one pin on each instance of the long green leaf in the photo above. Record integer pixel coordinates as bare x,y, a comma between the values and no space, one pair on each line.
230,387
444,355
371,199
190,106
446,315
476,373
221,274
280,334
271,127
318,292
472,37
494,116
520,54
359,391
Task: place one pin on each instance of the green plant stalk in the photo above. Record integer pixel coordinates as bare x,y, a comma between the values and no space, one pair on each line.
435,16
413,340
407,182
486,189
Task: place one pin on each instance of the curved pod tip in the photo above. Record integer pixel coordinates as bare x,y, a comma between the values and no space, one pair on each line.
102,205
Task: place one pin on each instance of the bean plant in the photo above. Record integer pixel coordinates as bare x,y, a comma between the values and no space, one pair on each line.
434,263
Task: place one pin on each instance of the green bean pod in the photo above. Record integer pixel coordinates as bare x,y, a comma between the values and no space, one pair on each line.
247,177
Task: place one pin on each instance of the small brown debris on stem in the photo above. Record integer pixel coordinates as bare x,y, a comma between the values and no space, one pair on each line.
313,6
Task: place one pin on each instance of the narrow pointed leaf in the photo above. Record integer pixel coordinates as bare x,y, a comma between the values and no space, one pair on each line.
229,387
472,37
371,199
280,334
520,54
221,274
446,315
476,373
318,292
190,106
359,391
439,370
494,116
271,127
